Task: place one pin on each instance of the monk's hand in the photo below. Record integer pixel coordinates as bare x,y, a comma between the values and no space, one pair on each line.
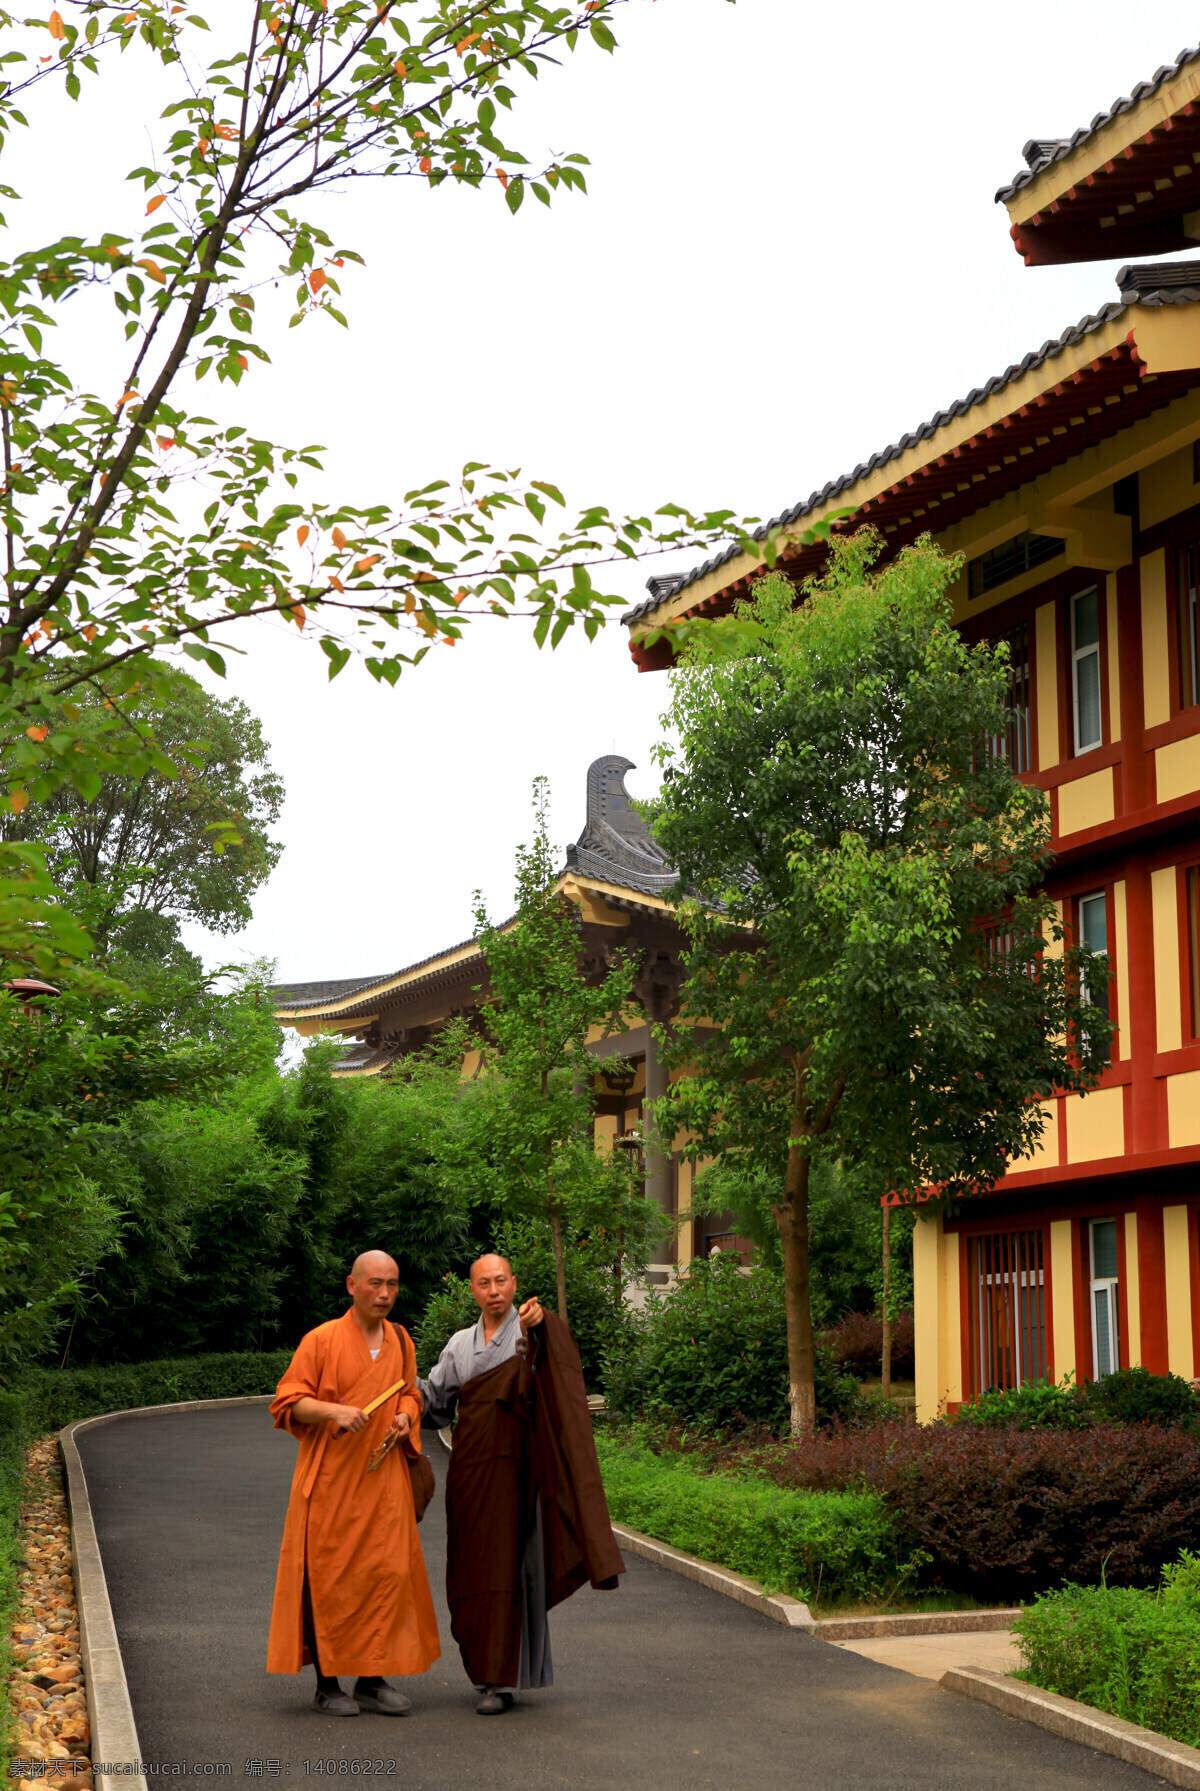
530,1315
401,1424
345,1417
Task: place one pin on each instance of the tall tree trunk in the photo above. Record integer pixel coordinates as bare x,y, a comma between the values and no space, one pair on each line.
886,1367
792,1219
560,1267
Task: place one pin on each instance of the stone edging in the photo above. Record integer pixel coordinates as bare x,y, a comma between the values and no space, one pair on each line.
114,1737
794,1613
780,1608
1173,1761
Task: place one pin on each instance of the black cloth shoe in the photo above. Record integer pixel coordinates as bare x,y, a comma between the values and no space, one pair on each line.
335,1703
383,1699
493,1702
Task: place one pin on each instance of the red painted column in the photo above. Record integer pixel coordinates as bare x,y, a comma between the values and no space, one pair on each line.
1152,1289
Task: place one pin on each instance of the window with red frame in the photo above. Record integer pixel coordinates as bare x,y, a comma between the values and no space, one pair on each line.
1006,1299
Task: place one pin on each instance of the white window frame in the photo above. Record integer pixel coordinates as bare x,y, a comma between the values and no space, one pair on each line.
1078,655
1103,1289
1095,895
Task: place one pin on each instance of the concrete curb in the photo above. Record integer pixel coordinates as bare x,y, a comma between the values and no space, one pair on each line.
795,1614
780,1608
110,1714
1171,1760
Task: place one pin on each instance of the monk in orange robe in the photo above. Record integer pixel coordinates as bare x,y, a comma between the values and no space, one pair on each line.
352,1594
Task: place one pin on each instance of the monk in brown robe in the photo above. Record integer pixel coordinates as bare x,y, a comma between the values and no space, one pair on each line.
526,1518
352,1594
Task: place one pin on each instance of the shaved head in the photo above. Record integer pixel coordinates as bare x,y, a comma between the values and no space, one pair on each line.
487,1266
373,1285
494,1287
373,1262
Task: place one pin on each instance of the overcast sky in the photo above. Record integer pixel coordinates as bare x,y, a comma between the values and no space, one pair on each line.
789,255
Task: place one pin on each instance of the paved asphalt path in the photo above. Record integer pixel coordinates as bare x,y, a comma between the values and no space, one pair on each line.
661,1685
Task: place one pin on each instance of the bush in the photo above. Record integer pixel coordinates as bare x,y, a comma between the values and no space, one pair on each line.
450,1308
855,1344
828,1546
1135,1396
1035,1405
712,1351
1127,1396
1131,1652
49,1398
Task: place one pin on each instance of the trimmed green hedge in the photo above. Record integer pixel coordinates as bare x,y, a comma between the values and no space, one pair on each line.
829,1546
1130,1651
53,1397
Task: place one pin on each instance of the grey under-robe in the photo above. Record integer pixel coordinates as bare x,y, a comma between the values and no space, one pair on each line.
465,1356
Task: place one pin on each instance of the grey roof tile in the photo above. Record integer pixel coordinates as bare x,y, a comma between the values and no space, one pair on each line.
662,587
1040,152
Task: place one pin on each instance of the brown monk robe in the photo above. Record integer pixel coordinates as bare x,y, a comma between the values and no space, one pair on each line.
523,1451
352,1594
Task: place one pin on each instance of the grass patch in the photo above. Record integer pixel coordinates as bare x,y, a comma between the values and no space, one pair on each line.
915,1604
824,1547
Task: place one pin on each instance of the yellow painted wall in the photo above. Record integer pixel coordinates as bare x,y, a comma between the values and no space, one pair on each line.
1177,768
1062,1298
1086,801
605,1130
1179,1291
1183,1108
1131,1346
1166,487
1121,966
1156,676
1114,661
937,1317
1045,1153
1164,906
1095,1125
1046,653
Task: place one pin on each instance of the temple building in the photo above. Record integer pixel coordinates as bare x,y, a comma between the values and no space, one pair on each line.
618,879
1070,484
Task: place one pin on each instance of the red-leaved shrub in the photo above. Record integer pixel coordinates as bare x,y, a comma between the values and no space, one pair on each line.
1006,1513
855,1344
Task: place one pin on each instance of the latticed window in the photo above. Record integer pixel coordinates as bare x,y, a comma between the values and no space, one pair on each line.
1014,743
1007,1304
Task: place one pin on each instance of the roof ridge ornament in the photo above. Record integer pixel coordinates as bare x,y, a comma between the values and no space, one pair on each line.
616,845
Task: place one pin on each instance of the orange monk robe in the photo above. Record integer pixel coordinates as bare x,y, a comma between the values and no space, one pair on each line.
355,1532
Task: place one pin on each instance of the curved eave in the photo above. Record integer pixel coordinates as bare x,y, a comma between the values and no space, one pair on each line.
1129,187
366,1003
1133,361
447,969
